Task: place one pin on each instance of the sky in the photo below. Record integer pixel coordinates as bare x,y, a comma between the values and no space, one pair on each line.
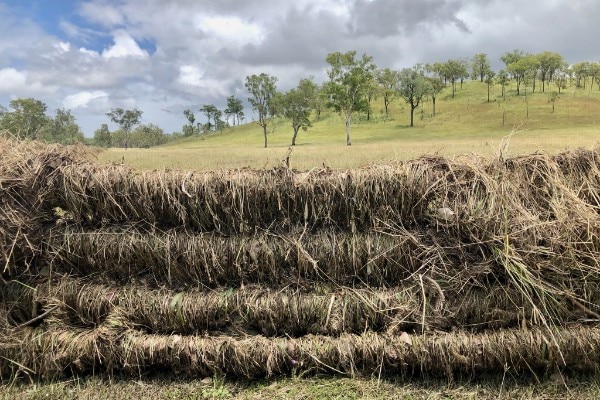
164,56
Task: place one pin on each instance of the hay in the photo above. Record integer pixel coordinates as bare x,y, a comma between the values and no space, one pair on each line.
180,258
431,266
56,352
294,312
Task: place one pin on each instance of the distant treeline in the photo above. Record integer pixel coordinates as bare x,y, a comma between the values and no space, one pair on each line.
353,85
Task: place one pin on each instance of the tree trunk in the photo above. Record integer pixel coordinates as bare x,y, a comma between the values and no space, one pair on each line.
412,113
348,121
386,102
433,101
265,133
488,92
296,128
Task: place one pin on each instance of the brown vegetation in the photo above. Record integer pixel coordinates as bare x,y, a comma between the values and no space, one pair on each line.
431,266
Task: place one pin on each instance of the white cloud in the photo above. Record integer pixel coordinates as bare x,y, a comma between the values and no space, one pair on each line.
19,84
11,79
124,46
83,99
190,75
63,46
232,30
90,53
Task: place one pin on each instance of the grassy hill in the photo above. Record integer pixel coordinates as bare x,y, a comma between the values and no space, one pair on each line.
466,124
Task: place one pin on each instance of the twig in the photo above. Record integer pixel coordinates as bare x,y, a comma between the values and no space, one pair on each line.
39,317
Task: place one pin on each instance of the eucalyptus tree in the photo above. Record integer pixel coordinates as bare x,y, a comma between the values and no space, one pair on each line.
262,89
63,128
235,109
502,79
480,66
190,128
489,80
210,111
454,70
27,118
126,119
512,57
297,105
522,70
550,62
413,87
102,137
347,87
581,70
436,86
388,82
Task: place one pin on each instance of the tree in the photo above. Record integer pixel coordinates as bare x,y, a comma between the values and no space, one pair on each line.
581,70
217,119
489,80
63,128
532,70
512,57
126,119
503,81
388,82
464,73
372,91
102,136
522,70
262,88
435,87
320,99
348,82
412,88
296,105
480,66
453,70
439,69
189,129
594,71
550,62
210,111
562,77
27,119
147,135
235,108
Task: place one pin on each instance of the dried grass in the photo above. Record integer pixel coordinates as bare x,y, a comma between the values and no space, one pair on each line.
323,271
56,352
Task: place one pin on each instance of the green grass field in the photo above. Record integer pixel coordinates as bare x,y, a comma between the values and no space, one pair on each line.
464,125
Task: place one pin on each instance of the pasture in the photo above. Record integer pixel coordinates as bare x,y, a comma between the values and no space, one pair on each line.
465,125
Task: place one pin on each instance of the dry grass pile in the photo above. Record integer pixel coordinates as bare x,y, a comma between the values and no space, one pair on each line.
56,350
432,266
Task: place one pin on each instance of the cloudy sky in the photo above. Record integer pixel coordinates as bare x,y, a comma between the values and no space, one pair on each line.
163,56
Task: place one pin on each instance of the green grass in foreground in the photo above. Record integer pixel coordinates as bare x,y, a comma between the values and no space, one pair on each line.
304,388
464,125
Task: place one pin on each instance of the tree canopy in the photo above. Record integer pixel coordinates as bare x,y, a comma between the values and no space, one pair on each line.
348,84
126,119
262,89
